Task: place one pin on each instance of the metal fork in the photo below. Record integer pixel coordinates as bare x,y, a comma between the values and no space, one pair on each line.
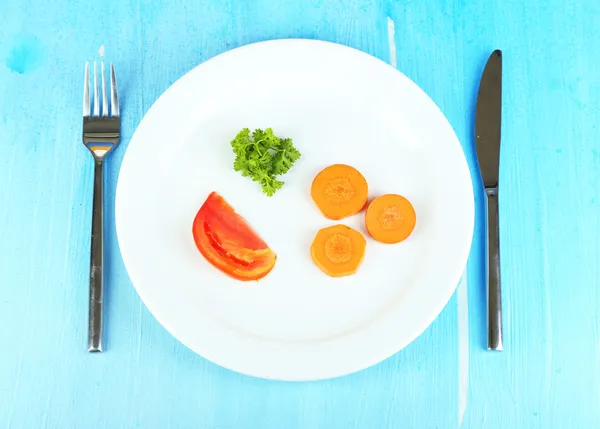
101,134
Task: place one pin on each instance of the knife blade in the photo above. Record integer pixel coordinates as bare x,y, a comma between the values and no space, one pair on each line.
488,120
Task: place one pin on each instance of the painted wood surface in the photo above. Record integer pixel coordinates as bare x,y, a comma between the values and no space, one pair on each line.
549,374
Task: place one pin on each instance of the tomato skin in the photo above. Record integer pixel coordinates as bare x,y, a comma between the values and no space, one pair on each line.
226,240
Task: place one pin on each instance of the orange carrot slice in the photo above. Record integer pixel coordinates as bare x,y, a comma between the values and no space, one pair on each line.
338,250
390,218
339,191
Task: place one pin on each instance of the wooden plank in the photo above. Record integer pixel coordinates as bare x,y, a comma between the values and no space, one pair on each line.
548,376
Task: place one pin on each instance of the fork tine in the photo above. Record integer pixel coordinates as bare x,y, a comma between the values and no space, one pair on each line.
104,98
86,90
96,100
114,96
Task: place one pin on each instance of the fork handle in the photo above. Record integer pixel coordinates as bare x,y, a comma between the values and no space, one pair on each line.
97,262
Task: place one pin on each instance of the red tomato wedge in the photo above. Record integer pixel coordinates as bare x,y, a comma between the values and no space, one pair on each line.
227,241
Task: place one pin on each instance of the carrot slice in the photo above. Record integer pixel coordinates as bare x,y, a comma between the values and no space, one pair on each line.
390,218
339,191
338,250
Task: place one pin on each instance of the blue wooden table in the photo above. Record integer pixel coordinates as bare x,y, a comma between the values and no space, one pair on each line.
549,374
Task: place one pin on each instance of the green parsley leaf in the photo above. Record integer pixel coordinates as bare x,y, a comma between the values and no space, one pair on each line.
262,156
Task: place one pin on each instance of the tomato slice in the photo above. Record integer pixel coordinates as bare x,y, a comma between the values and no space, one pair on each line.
226,240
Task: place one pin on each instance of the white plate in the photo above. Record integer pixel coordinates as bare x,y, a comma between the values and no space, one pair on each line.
340,106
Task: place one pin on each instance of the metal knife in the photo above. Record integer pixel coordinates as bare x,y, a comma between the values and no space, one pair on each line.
488,116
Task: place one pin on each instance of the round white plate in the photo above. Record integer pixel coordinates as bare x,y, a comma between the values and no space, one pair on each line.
340,106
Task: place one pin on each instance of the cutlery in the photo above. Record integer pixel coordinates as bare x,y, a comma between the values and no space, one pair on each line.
101,132
488,115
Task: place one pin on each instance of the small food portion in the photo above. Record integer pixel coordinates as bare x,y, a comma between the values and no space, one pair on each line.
263,157
227,241
390,218
339,191
338,250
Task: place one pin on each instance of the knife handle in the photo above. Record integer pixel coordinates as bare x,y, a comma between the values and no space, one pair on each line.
494,294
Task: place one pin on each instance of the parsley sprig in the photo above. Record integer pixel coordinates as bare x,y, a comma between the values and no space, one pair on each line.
262,156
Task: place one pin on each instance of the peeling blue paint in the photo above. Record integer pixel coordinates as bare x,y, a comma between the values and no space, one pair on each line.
25,55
